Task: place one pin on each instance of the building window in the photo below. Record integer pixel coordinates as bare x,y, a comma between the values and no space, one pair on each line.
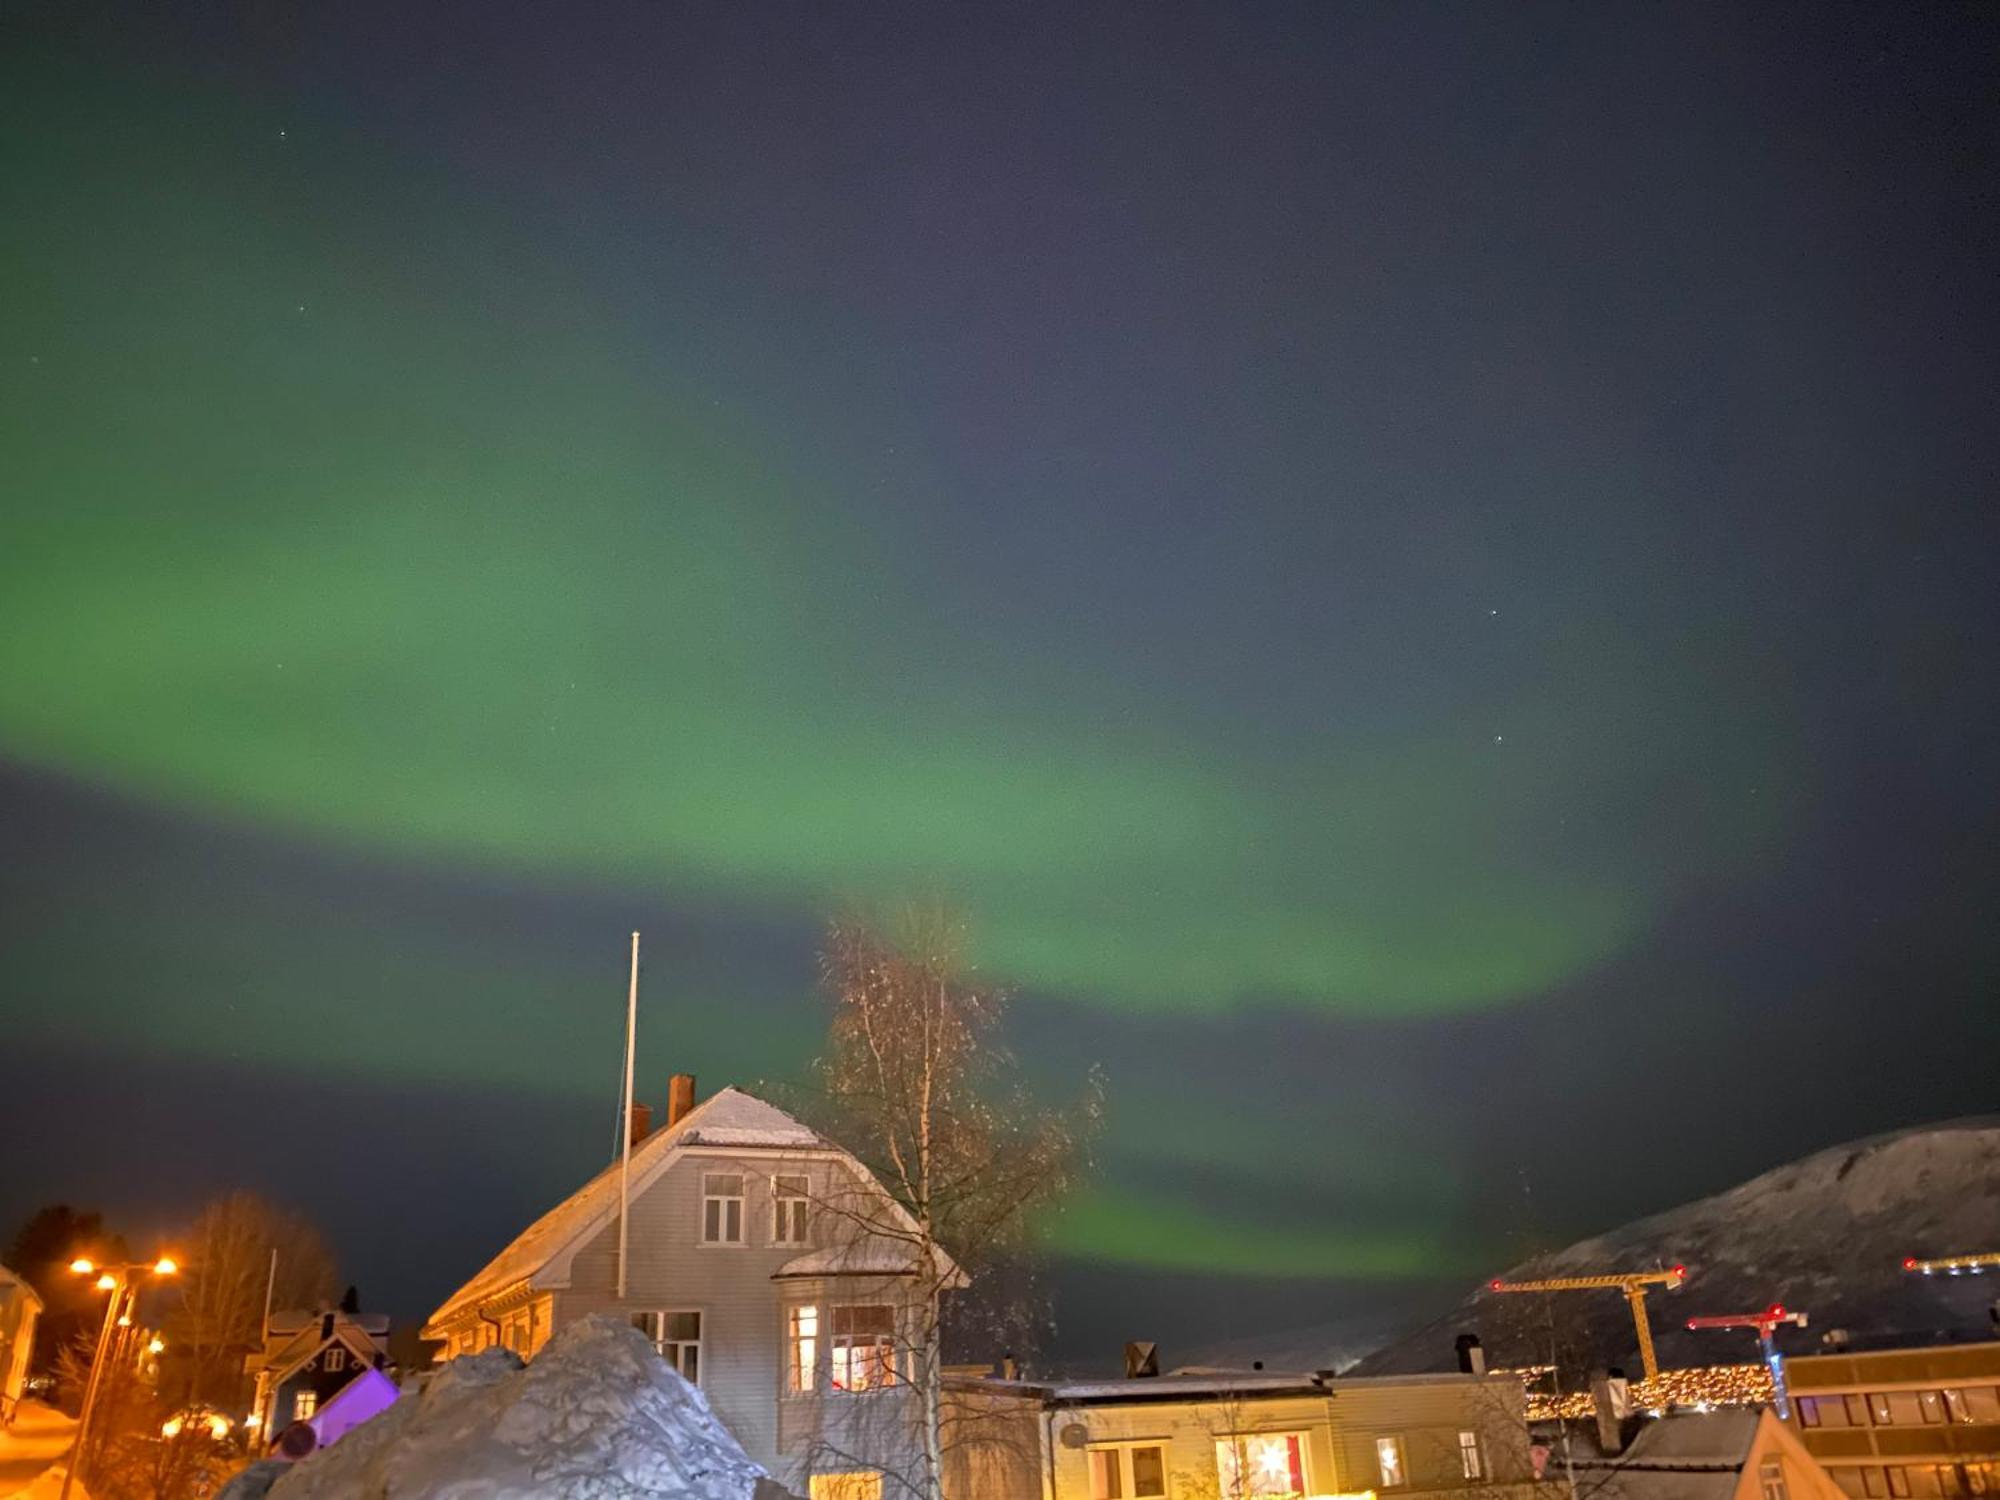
1899,1480
1389,1462
863,1348
1982,1403
788,1210
336,1360
1872,1484
304,1404
1857,1410
802,1348
1771,1479
1128,1471
861,1485
722,1208
1931,1405
1262,1466
677,1335
1809,1411
1472,1463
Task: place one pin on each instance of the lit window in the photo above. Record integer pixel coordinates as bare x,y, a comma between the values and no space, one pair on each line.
1471,1462
336,1359
863,1347
1771,1479
1261,1466
1389,1461
788,1210
1899,1480
1128,1471
866,1485
304,1404
677,1335
1872,1484
722,1208
1808,1409
1955,1407
1857,1410
802,1344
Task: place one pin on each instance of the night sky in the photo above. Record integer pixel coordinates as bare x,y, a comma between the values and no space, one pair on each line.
1424,574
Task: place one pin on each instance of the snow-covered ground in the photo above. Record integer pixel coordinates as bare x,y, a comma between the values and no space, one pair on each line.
29,1449
597,1416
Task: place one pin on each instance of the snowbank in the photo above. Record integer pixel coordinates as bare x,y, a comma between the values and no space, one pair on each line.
597,1416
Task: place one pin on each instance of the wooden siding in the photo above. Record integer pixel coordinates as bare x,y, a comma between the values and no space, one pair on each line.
743,1311
1007,1446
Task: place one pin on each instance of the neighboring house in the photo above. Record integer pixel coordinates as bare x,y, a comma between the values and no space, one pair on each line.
1238,1436
1733,1453
20,1312
1902,1421
744,1265
308,1360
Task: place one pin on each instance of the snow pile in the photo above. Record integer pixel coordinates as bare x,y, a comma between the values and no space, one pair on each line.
598,1416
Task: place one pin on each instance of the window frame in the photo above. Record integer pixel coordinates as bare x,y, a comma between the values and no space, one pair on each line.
658,1336
1391,1443
1123,1449
305,1404
1772,1483
1471,1454
740,1199
1236,1441
886,1347
796,1232
802,1374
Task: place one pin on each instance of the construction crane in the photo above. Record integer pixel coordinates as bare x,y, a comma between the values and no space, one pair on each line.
1954,1265
1632,1283
1767,1324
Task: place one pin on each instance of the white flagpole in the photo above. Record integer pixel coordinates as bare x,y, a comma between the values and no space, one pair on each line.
625,1115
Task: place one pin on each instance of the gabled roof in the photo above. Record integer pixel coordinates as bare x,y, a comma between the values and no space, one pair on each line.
1681,1456
20,1287
730,1119
281,1363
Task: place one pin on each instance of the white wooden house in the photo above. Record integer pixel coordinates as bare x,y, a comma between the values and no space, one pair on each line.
744,1265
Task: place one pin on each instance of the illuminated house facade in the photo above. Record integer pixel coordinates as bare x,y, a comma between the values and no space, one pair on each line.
309,1359
20,1311
1239,1436
1890,1423
743,1265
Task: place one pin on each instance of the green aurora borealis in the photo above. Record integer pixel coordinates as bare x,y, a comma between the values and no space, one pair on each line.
365,511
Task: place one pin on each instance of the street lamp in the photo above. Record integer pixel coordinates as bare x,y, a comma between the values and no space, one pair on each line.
116,1280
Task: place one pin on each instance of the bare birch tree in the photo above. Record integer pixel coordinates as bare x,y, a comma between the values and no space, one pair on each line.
219,1318
924,1093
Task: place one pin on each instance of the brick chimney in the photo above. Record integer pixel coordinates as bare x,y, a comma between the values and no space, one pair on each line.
680,1098
641,1121
1610,1404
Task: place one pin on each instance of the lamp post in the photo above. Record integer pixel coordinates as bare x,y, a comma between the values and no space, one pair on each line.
117,1280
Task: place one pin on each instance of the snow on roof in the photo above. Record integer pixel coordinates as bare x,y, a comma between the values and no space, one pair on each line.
729,1118
1681,1456
871,1257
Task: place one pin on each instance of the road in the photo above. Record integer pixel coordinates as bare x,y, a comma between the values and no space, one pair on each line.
38,1438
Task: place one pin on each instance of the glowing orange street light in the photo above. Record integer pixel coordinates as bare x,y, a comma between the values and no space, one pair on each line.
116,1280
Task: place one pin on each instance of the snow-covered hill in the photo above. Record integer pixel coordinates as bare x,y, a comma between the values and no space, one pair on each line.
1826,1234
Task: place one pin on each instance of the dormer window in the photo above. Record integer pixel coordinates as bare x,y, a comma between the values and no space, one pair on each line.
788,1210
722,1208
336,1359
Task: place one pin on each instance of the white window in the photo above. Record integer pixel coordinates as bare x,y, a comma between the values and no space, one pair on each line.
863,1347
1389,1462
801,1348
1471,1462
1128,1471
864,1485
677,1335
788,1210
722,1208
1771,1479
1262,1466
304,1404
336,1359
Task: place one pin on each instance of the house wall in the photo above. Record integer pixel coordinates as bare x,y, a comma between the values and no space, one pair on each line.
744,1312
1804,1477
1004,1447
